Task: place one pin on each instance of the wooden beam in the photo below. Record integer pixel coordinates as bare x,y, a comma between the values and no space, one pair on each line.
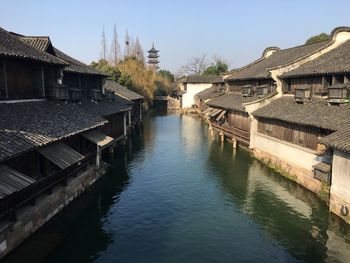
6,88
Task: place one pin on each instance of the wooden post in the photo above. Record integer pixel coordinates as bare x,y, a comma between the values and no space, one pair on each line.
141,112
222,136
111,149
129,116
98,156
234,143
6,88
124,123
43,80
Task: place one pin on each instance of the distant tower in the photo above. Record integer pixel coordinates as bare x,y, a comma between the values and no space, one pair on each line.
153,57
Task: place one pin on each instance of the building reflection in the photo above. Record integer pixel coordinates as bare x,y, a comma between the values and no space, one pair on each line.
294,217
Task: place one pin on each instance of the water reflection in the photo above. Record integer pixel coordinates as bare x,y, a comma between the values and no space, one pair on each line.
93,207
180,195
285,211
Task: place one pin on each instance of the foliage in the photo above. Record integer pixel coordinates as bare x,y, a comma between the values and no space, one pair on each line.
201,66
317,38
167,74
217,68
133,74
103,66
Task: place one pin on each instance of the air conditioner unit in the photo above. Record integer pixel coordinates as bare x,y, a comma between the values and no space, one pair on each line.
302,94
247,91
338,93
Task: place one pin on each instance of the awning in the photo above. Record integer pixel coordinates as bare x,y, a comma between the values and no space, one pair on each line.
61,155
215,112
207,111
100,139
12,180
323,167
221,115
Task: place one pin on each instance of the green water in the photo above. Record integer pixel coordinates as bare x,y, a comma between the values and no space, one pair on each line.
179,195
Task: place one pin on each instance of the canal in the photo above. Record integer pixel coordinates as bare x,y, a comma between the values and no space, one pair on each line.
179,195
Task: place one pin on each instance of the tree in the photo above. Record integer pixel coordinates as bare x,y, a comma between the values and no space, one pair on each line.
103,44
103,66
127,45
115,48
166,74
317,38
216,69
195,65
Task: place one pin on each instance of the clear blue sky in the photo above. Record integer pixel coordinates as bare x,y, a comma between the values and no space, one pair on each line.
237,31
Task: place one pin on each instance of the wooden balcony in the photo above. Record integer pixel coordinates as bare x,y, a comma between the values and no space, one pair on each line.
58,92
95,94
232,132
74,95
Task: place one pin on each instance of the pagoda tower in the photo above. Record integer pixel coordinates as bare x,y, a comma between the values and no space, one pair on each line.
153,57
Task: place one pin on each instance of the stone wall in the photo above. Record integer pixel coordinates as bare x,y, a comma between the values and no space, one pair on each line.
340,194
31,218
298,174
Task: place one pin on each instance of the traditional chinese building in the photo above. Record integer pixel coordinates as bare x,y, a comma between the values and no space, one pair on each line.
153,58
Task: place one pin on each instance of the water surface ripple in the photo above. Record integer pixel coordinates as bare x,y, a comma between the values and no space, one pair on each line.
178,195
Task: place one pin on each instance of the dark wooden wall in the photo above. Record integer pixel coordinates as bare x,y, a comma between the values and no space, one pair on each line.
115,127
236,85
239,120
319,84
24,80
296,134
83,81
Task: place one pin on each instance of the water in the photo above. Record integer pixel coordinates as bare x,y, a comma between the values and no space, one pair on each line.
178,195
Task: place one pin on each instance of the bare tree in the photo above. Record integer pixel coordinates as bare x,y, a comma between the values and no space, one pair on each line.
115,47
195,66
103,44
217,59
127,45
138,51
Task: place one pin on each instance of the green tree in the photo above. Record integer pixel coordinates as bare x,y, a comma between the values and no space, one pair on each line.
217,68
167,74
317,38
103,66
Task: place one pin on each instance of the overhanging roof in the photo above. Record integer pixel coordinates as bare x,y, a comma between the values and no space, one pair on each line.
61,155
12,180
100,139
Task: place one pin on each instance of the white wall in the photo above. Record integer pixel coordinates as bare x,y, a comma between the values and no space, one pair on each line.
193,89
290,153
341,175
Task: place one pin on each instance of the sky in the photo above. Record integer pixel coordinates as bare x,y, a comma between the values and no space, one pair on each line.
237,31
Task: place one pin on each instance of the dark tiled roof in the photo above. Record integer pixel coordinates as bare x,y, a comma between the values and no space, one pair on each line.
121,100
26,126
76,66
121,90
339,140
334,61
260,68
234,101
12,47
315,113
103,108
209,93
39,42
203,79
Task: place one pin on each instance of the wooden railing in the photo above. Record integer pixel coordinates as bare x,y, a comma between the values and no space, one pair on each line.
232,132
28,195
